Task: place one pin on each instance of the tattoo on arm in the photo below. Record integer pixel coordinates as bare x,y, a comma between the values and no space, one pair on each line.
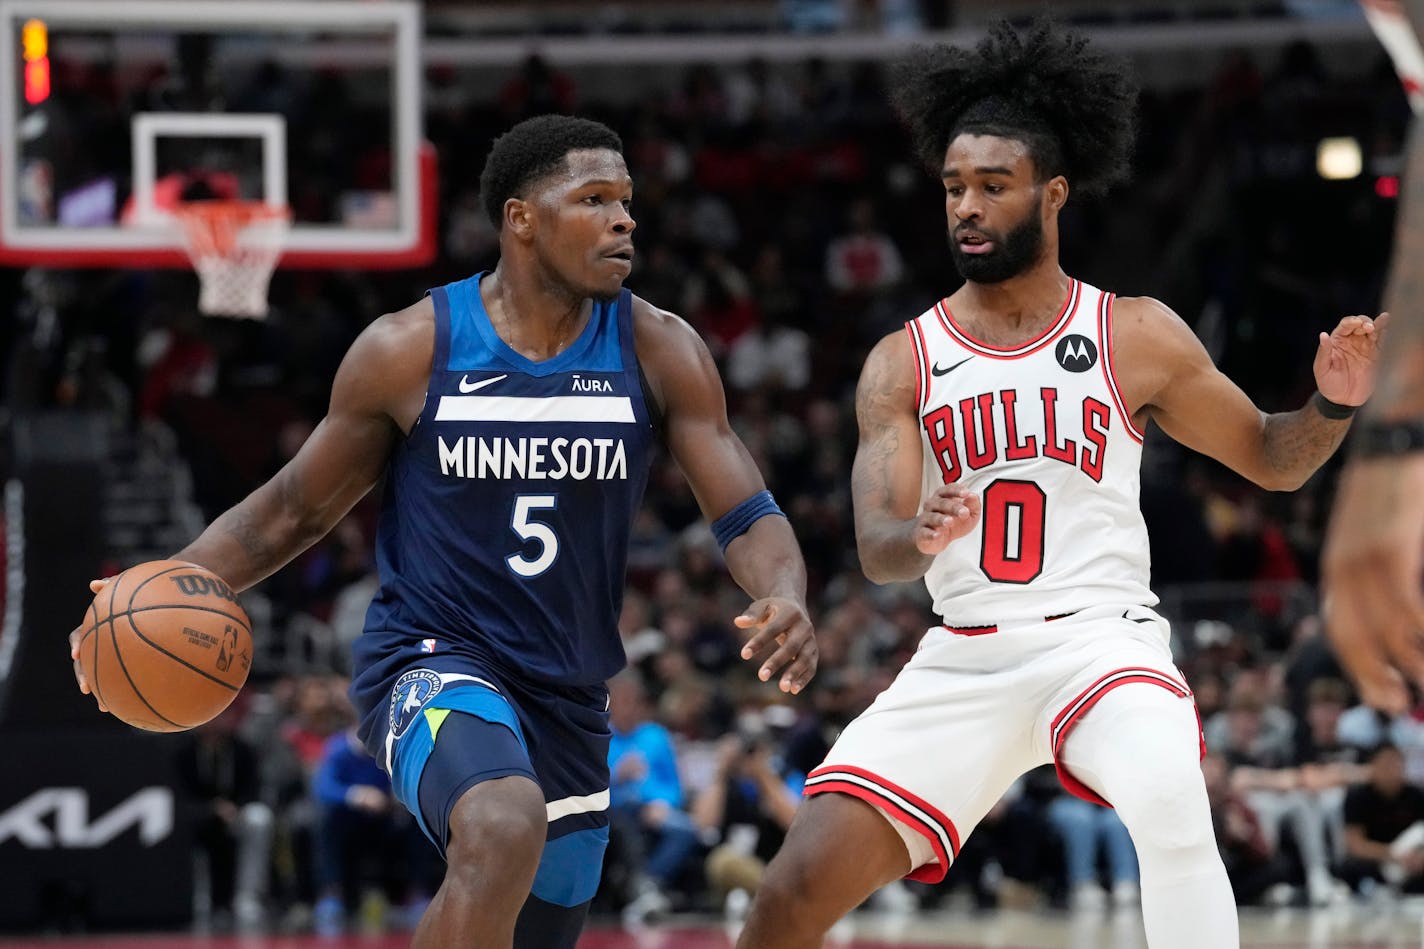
1400,394
261,528
245,529
870,478
1299,442
885,541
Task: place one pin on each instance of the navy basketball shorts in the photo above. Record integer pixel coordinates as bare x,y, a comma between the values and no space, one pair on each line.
461,724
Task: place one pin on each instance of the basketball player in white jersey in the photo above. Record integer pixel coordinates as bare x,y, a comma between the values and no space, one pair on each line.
1374,551
1000,437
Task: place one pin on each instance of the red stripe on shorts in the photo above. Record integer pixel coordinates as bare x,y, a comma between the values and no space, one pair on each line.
875,790
1074,711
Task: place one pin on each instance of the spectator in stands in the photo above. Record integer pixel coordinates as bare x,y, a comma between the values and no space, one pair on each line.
219,774
864,259
1328,765
1251,861
536,89
718,302
1256,739
745,811
1384,826
360,824
772,356
1087,830
654,834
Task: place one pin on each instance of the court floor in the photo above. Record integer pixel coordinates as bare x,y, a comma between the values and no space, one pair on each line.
1345,928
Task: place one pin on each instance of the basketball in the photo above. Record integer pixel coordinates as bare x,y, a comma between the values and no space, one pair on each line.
166,646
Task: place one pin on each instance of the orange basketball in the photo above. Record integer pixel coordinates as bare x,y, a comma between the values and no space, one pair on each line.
166,646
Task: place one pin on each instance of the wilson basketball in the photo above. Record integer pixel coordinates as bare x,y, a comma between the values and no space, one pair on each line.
166,646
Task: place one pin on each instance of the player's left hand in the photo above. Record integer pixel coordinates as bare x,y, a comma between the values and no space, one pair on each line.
1346,361
75,638
783,621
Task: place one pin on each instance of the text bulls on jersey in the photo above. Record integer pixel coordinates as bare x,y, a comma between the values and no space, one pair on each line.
1012,426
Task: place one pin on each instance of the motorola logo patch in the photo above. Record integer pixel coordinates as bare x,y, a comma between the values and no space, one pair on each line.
1076,353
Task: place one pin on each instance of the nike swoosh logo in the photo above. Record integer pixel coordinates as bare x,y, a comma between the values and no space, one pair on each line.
467,386
937,371
1136,619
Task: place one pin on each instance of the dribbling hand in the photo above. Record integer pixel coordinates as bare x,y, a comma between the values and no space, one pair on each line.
96,587
783,621
947,515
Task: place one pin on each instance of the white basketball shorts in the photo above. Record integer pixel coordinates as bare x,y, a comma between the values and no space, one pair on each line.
976,707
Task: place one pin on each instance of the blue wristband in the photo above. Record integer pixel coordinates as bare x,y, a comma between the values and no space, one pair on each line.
739,519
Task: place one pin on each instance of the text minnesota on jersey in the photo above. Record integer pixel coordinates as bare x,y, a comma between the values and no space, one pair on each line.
534,458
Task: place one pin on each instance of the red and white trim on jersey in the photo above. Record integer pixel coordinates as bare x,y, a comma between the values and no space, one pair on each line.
1105,347
1075,710
910,810
1065,316
922,363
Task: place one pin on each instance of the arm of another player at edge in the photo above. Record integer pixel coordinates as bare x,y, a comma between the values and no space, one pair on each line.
885,479
765,561
1400,396
344,456
1198,406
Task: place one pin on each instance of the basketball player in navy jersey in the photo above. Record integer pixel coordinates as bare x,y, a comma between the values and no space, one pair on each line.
513,416
1000,440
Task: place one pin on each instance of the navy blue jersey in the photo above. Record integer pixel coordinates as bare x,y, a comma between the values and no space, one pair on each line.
503,531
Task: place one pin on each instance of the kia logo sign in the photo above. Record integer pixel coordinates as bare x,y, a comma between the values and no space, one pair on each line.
58,818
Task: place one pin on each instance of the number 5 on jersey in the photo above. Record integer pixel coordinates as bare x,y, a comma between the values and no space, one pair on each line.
528,528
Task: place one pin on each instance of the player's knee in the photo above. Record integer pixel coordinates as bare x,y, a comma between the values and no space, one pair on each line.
1167,812
787,892
503,819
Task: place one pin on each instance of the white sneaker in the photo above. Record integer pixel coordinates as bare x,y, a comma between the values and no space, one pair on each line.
247,912
1279,895
737,906
895,898
647,905
1126,893
1088,898
1320,889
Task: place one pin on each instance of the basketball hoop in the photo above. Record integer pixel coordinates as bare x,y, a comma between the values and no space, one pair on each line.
234,246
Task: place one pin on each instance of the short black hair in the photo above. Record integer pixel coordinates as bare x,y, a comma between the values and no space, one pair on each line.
533,149
1073,106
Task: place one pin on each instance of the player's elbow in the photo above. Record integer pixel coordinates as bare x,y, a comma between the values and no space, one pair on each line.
873,571
881,569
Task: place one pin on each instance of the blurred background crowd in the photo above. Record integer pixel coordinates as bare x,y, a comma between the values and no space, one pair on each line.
779,212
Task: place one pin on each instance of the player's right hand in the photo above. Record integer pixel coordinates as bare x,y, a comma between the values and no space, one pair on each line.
96,586
948,514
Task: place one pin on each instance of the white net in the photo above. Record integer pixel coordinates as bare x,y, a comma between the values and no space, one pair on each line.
234,247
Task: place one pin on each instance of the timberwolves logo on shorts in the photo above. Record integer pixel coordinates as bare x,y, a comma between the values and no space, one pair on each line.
412,691
1076,353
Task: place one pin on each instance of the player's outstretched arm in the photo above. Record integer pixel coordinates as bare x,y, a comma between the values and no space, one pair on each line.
1374,548
896,536
765,559
1173,379
387,365
378,390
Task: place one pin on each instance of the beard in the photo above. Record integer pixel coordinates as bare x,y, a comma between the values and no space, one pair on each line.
1014,253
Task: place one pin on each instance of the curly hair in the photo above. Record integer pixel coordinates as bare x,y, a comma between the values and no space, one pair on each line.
533,149
1073,106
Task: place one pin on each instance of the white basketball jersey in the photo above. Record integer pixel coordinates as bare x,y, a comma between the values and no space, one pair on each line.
1040,432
